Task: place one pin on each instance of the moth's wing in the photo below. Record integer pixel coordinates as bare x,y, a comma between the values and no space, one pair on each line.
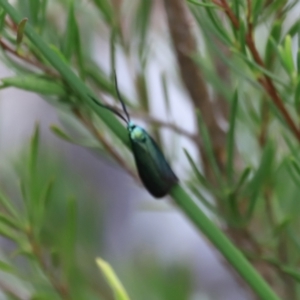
154,170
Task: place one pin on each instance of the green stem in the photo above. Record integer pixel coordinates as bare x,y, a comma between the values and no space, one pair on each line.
194,213
230,252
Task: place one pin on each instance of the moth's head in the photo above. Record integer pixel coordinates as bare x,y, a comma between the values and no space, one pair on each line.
136,133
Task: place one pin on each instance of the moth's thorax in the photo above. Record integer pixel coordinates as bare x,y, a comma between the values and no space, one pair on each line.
136,133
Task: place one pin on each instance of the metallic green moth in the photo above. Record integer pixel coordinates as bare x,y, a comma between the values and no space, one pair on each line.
153,168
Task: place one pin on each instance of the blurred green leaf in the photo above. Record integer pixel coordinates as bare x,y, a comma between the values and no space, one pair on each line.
204,135
34,148
295,274
2,18
286,55
71,229
208,204
196,170
20,30
231,139
295,165
7,267
208,5
61,134
9,221
243,178
34,84
106,9
112,279
262,176
6,203
72,43
142,22
273,40
164,83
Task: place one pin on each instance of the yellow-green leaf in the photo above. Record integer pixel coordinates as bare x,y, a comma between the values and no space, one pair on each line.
112,279
20,31
34,84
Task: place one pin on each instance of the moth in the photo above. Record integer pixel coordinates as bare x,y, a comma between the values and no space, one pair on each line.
153,168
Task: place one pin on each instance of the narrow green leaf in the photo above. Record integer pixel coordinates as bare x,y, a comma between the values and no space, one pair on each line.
281,227
34,147
143,15
46,195
112,279
255,67
295,274
34,84
292,174
196,171
9,233
7,268
286,55
61,134
242,33
273,40
9,221
257,6
41,205
243,178
297,95
202,4
43,17
298,61
217,25
59,54
203,200
20,31
72,43
208,147
106,9
34,6
71,225
230,138
164,83
69,37
2,18
294,30
262,176
9,206
295,165
236,5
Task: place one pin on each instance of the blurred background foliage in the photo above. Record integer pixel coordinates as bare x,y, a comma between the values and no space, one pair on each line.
235,63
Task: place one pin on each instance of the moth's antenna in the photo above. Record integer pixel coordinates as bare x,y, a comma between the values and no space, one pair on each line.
110,109
120,98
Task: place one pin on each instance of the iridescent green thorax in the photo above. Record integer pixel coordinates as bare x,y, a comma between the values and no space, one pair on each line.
136,133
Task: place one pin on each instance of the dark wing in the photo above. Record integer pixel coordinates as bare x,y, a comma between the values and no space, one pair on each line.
154,170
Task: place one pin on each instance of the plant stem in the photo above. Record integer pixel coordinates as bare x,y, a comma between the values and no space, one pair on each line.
230,252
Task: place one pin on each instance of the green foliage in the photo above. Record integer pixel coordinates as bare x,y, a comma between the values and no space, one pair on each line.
249,178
